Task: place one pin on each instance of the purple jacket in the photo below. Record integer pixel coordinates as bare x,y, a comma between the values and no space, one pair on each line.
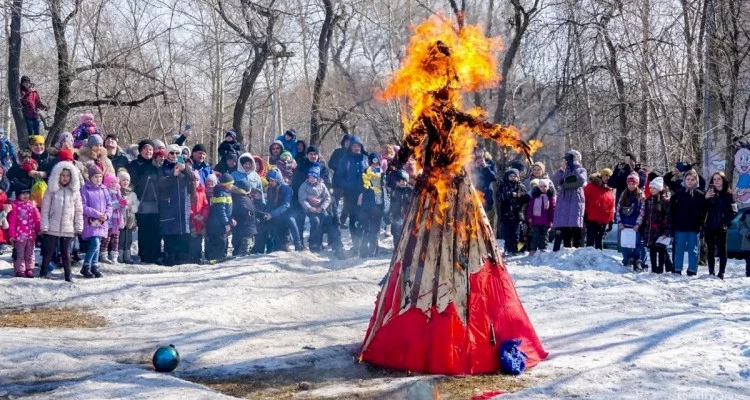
547,216
96,202
570,199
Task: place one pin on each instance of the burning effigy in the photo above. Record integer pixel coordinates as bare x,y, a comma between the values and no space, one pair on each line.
448,303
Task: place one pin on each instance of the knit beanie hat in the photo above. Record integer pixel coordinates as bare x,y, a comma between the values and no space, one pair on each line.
199,147
231,156
657,183
174,148
226,180
314,171
605,172
534,182
312,149
94,140
634,177
286,153
109,179
145,142
123,175
36,139
62,138
231,133
65,155
160,153
93,169
159,143
373,158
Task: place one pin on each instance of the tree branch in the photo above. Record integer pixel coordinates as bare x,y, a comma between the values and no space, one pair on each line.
114,101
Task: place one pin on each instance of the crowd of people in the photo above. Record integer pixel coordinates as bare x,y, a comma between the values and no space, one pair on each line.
84,199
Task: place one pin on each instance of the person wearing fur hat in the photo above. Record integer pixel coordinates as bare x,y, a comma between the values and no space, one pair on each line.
348,178
31,103
220,220
569,181
115,154
599,208
61,215
144,177
720,211
94,151
97,211
200,162
176,189
374,203
230,144
289,141
513,199
630,211
656,225
278,217
540,213
315,200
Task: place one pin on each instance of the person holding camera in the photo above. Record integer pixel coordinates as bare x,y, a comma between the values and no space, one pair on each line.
720,210
675,178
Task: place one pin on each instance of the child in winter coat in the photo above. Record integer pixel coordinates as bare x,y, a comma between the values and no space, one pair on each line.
655,226
513,198
630,211
374,203
86,128
315,200
229,145
4,211
286,166
540,213
278,218
62,215
243,213
128,216
97,211
108,250
198,219
401,198
220,219
23,227
599,210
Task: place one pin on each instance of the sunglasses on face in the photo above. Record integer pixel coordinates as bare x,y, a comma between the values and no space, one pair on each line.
174,153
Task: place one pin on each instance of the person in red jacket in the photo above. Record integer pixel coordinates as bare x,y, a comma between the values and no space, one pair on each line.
600,207
31,103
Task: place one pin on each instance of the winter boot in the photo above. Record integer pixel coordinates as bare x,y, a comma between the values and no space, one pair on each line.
29,273
113,257
692,273
86,271
95,271
637,266
68,275
103,258
677,272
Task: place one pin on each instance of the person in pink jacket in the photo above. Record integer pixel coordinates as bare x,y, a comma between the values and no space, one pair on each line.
23,225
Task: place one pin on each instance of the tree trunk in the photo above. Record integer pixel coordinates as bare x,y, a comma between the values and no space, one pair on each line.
324,44
14,63
248,82
64,72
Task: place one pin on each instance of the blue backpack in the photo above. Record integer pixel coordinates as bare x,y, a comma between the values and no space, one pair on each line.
512,360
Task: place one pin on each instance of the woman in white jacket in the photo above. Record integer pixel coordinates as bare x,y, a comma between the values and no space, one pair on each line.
62,214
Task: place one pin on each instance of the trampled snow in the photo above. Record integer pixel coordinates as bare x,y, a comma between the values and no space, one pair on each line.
610,333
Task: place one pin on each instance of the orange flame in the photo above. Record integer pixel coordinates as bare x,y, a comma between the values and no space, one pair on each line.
442,62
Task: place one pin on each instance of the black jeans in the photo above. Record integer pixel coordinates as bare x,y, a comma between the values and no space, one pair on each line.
716,242
658,256
511,232
149,237
595,234
49,243
567,237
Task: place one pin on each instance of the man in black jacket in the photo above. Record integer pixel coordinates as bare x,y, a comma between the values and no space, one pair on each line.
144,176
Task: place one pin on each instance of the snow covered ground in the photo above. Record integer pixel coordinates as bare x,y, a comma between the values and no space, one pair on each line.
610,333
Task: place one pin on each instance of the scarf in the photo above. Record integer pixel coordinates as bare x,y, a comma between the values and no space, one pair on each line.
541,205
